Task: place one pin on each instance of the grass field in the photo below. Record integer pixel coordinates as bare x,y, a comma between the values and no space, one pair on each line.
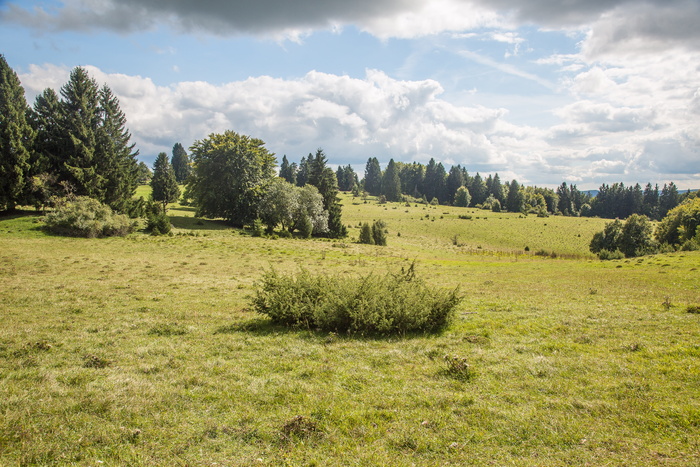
142,350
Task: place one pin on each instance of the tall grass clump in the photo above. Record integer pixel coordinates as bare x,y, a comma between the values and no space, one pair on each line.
87,217
391,304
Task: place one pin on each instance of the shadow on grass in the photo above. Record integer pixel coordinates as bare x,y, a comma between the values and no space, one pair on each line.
266,327
194,223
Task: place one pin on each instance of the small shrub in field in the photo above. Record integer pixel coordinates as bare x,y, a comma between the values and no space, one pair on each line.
87,217
300,427
93,361
608,255
157,222
392,304
458,367
693,309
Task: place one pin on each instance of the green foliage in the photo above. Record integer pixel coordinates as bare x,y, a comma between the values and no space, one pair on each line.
392,304
373,177
462,197
608,255
366,234
16,138
458,368
680,224
157,222
163,184
230,176
633,238
180,163
496,205
391,183
379,232
87,217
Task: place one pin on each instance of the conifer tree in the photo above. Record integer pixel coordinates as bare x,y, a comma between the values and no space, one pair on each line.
81,119
303,172
288,171
116,157
16,137
391,183
317,164
515,199
455,179
373,177
181,163
163,183
50,138
478,190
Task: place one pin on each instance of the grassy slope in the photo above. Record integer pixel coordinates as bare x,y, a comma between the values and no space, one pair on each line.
577,361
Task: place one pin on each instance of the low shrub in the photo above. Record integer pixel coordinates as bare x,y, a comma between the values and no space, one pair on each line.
392,304
693,309
87,217
608,255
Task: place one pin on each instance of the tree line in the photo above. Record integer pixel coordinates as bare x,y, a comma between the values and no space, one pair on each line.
434,184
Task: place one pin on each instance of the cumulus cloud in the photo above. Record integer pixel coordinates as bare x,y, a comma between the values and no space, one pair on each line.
357,118
599,139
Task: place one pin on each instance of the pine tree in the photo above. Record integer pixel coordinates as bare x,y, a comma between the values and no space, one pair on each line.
16,137
515,199
181,163
303,172
328,187
668,199
288,171
317,164
80,126
366,234
373,177
50,138
391,183
478,190
455,179
116,157
497,190
163,183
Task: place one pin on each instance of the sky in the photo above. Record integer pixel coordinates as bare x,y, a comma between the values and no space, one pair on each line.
542,91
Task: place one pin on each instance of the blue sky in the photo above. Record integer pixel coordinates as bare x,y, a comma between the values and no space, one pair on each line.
591,92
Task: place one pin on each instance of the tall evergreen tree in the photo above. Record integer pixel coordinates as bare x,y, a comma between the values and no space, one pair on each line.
164,183
391,183
668,199
288,171
455,179
328,188
303,172
80,123
515,199
565,205
496,190
478,190
650,206
116,157
317,164
411,176
16,137
373,177
181,163
50,138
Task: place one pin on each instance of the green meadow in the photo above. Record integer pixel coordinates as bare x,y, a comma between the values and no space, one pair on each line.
144,351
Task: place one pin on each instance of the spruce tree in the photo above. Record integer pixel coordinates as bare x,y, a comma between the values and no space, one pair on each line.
391,183
80,126
116,157
455,179
181,163
288,171
317,164
515,199
16,137
373,177
478,190
303,172
50,138
163,183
